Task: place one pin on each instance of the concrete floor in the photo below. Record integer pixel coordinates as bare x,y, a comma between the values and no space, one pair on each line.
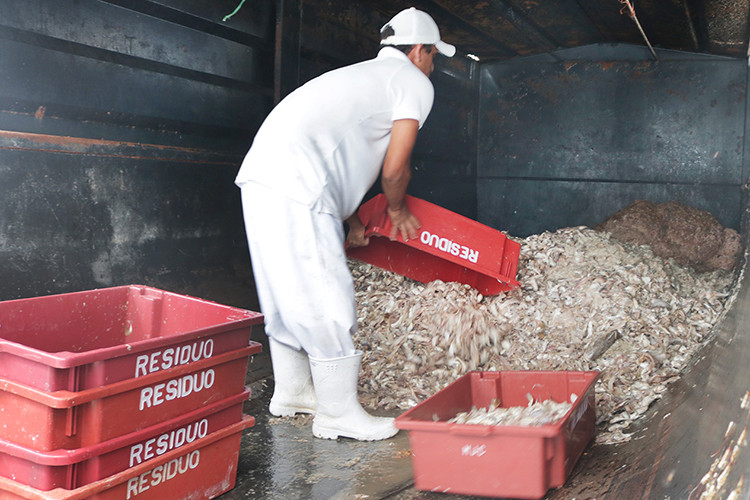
280,458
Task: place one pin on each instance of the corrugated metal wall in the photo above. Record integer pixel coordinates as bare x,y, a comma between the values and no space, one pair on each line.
571,138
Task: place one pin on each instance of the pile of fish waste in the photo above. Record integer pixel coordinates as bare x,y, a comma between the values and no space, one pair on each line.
535,414
586,302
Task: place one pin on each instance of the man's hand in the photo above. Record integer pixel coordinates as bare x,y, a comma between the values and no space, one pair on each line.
396,176
403,222
356,236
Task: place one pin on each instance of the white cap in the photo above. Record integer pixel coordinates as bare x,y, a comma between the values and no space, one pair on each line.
412,26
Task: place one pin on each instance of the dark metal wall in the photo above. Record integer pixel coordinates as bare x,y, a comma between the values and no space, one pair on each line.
571,138
122,124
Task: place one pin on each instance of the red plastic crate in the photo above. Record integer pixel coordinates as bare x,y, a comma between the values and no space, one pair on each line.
82,340
70,469
500,461
201,470
45,421
450,247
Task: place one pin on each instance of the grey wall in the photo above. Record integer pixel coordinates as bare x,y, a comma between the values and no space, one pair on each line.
122,125
571,138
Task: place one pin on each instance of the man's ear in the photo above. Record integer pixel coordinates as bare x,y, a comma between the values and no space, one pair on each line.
415,54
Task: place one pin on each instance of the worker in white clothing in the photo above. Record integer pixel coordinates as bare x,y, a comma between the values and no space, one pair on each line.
312,161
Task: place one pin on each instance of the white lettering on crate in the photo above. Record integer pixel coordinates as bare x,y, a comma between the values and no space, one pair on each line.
176,388
163,473
158,446
163,360
472,450
448,246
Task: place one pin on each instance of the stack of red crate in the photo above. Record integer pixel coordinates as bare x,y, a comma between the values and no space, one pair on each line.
124,392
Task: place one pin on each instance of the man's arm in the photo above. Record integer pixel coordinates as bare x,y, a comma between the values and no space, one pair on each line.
396,175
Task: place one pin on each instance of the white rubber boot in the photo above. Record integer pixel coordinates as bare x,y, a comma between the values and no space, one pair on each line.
339,412
293,390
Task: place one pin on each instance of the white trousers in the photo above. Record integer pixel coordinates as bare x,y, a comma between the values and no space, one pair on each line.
304,285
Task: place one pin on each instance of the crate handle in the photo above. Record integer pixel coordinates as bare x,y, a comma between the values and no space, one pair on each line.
71,419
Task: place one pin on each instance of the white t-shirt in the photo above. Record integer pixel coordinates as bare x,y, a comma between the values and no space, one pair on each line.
324,144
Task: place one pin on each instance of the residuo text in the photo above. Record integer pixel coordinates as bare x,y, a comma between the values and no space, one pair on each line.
163,473
174,356
448,246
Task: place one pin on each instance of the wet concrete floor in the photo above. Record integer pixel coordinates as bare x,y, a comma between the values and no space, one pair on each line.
280,458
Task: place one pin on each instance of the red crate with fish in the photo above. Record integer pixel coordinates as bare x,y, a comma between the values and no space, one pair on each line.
517,461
